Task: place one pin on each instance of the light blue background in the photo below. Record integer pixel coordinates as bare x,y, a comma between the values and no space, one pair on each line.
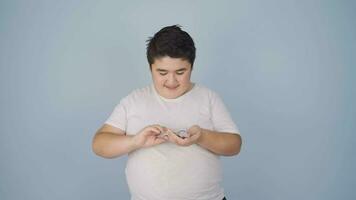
285,69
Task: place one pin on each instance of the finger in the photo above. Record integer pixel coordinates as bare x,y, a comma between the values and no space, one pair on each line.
173,134
180,141
184,142
159,127
195,136
152,131
194,139
194,129
191,129
165,137
191,132
162,136
164,128
159,140
172,137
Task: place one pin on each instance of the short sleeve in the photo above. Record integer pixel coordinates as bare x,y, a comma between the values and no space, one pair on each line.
221,118
118,117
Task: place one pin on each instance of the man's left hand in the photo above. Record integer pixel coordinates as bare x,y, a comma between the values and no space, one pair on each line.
194,133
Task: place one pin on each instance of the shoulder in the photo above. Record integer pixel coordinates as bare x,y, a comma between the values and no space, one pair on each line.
137,95
205,91
141,92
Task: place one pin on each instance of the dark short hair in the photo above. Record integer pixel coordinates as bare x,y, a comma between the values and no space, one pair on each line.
171,41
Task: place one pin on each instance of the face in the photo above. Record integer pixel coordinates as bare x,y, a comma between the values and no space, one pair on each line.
171,76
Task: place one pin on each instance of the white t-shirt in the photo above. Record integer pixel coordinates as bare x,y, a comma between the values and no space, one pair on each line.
169,171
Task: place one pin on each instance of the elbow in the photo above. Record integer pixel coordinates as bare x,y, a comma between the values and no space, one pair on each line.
237,142
237,151
98,148
233,152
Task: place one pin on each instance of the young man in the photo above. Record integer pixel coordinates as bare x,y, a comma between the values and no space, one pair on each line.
173,130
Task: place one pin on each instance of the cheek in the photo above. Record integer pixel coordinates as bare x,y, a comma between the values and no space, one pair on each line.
157,78
185,78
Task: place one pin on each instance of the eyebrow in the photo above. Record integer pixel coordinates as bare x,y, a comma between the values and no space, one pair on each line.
164,70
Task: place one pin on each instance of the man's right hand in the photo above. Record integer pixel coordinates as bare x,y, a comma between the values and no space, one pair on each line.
149,136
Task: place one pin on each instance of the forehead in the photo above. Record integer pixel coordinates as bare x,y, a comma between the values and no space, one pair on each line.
169,63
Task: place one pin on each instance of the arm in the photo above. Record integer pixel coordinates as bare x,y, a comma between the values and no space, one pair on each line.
111,142
221,143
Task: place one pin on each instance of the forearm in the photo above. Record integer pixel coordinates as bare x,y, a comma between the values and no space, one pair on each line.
111,145
226,144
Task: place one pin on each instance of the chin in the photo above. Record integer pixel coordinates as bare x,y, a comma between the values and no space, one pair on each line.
172,96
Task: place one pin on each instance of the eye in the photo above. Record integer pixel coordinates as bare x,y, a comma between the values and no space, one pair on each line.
180,73
163,74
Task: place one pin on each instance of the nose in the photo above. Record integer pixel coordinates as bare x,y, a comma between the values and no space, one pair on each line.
172,80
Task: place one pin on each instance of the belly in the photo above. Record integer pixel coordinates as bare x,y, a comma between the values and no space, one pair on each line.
169,170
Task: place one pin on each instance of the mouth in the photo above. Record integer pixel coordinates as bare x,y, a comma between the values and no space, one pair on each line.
172,88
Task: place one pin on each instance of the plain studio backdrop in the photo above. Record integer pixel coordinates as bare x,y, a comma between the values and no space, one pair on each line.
285,69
